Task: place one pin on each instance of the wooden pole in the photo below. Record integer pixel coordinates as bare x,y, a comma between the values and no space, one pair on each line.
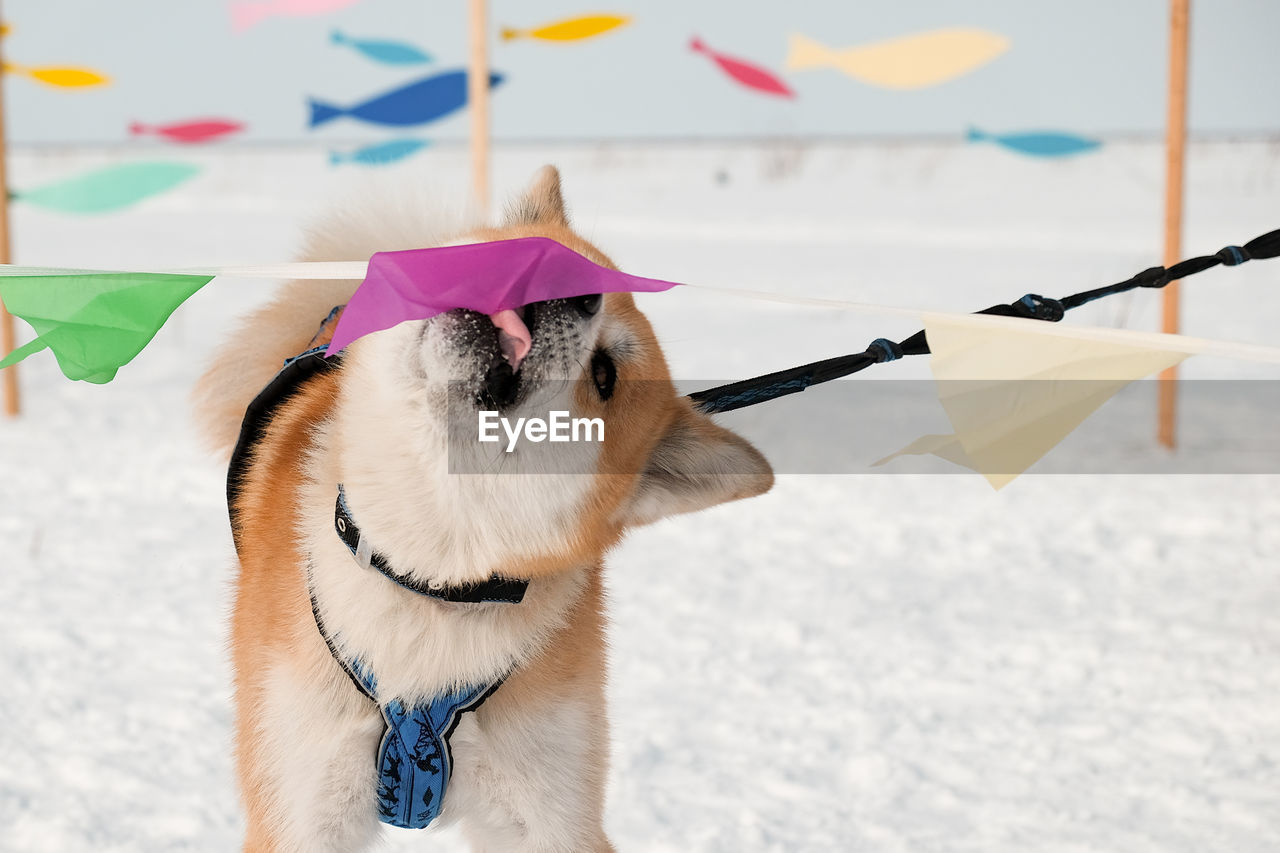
8,376
478,101
1175,157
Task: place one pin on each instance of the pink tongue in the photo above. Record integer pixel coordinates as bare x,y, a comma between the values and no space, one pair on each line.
513,336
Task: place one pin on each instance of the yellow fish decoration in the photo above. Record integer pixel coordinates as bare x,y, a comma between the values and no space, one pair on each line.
572,29
69,78
907,62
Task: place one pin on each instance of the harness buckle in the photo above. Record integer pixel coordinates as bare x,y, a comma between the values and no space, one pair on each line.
364,552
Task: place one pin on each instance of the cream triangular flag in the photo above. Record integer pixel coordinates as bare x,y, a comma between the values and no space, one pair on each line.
1012,392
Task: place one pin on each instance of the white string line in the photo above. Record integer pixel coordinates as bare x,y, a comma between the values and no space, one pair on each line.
815,301
302,271
1128,337
355,271
1124,337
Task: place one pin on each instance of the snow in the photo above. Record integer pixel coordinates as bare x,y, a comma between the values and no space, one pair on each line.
907,662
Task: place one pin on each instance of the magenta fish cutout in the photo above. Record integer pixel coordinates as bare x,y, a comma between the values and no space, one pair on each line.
189,132
247,14
492,278
747,73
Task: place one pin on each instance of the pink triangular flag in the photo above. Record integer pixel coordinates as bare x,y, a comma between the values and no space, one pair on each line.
486,277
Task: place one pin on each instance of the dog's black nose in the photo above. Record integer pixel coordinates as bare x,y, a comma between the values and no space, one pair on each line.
501,385
589,304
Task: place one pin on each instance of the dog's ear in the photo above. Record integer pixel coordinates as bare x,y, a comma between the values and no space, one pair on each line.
541,203
695,465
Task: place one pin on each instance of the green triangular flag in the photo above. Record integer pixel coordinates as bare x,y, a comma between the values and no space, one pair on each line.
95,323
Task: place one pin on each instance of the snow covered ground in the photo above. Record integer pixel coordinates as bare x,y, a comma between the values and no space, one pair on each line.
880,663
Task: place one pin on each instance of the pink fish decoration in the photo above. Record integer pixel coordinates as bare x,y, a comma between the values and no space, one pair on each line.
748,74
246,14
492,278
189,132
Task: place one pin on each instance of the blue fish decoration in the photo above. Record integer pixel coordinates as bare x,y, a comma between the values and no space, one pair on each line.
384,51
381,154
419,102
1037,144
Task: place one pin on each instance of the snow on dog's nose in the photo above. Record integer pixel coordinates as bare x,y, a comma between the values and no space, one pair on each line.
513,335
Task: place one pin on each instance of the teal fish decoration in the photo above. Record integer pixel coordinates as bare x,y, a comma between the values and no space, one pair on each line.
109,189
383,50
381,154
1046,144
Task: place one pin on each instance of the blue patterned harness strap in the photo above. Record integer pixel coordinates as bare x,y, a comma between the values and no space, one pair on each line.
414,758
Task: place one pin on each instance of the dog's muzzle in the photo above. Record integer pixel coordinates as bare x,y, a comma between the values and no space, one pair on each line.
539,332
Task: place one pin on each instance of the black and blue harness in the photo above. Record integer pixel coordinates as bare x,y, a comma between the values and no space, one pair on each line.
414,761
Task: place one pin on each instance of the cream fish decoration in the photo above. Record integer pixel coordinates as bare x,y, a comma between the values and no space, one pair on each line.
906,62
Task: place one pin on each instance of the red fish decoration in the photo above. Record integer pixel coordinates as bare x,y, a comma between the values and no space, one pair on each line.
748,74
189,132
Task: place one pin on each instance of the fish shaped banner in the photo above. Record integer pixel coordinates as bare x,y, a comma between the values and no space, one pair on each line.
62,78
422,101
383,50
1012,392
381,154
95,323
111,188
573,29
907,62
487,277
189,132
246,15
1042,144
748,74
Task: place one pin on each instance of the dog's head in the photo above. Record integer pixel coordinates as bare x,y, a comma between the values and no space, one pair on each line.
414,397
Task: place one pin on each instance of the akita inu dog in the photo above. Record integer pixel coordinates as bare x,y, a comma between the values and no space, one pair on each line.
386,588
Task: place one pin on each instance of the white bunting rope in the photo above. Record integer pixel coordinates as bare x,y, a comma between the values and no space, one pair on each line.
1157,340
355,271
299,271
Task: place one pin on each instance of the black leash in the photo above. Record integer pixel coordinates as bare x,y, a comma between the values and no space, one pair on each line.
749,392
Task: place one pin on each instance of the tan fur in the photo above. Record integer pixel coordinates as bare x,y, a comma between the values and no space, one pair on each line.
271,619
659,457
255,352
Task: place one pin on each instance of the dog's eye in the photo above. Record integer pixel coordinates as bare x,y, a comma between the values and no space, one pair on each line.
589,304
603,373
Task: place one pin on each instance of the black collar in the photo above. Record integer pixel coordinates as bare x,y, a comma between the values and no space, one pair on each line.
296,372
495,589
